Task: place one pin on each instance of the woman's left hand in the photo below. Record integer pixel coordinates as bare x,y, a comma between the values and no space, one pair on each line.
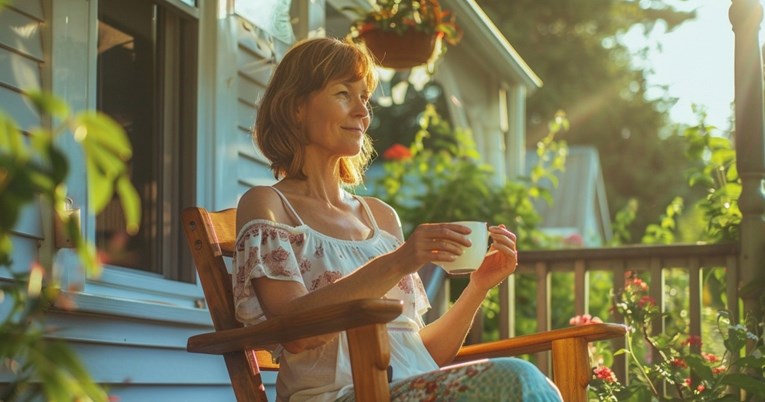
500,261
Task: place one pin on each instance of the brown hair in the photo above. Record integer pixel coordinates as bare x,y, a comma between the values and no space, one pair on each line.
307,67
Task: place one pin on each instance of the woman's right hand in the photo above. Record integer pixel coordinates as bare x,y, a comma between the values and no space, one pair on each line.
433,242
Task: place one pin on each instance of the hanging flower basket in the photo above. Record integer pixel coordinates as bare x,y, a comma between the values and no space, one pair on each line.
404,50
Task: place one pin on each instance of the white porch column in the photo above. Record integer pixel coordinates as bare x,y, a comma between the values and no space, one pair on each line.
515,139
746,16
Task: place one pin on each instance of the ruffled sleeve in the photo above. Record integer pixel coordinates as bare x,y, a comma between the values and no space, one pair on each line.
263,249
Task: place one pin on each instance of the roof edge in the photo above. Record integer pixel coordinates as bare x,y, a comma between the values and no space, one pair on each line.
474,20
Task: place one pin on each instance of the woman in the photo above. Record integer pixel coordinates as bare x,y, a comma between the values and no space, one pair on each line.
306,241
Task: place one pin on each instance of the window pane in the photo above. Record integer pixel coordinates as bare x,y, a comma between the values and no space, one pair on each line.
127,82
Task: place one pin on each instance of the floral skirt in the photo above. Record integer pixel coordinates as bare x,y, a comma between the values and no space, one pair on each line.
503,379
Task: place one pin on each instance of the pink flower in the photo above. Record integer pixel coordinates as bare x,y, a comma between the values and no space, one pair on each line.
700,388
584,319
397,152
719,369
604,373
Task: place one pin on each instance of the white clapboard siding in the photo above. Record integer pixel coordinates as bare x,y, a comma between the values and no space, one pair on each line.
18,71
32,8
25,253
21,32
255,64
21,59
136,349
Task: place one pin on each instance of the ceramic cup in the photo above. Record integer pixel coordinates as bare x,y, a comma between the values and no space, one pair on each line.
472,256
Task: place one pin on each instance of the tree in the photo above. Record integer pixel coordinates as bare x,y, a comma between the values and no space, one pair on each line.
574,47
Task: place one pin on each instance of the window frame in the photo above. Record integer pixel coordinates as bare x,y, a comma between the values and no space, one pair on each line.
73,32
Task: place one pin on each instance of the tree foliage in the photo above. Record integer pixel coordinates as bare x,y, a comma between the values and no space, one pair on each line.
575,48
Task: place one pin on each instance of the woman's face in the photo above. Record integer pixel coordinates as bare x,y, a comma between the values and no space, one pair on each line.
336,117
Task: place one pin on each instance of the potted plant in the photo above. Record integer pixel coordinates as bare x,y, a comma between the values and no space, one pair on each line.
403,34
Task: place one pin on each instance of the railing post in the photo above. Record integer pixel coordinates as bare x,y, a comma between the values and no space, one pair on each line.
543,310
745,17
507,308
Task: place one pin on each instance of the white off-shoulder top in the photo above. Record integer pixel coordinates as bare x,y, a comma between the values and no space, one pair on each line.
313,259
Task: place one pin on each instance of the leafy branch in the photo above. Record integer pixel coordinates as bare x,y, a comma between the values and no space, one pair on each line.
33,168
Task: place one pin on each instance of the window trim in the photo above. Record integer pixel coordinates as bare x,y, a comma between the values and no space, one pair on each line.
181,7
175,122
118,290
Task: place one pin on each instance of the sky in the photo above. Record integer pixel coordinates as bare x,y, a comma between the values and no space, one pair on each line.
695,62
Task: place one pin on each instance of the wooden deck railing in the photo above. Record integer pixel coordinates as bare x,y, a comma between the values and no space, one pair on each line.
652,261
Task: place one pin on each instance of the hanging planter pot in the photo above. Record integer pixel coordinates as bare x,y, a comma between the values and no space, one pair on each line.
400,50
402,34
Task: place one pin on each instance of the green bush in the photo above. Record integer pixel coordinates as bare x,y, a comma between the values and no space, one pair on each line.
446,181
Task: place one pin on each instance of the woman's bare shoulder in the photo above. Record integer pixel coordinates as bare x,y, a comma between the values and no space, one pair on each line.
385,215
261,202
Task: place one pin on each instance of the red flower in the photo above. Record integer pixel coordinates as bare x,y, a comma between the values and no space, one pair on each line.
646,301
679,363
710,357
397,152
637,283
693,340
719,369
604,373
574,240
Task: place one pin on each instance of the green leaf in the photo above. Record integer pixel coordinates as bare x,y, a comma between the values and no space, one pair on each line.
754,385
131,204
752,361
58,163
87,253
699,367
108,163
100,130
100,188
6,249
47,103
11,138
620,352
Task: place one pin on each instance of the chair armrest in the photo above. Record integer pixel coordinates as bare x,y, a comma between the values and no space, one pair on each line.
539,342
291,327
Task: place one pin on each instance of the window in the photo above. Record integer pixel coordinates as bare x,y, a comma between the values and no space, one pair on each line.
146,81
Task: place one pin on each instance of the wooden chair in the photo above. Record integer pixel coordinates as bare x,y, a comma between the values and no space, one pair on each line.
211,236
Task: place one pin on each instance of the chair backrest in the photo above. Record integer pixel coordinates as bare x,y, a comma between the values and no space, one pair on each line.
211,237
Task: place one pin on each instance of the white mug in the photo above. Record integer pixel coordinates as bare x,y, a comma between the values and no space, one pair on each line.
472,256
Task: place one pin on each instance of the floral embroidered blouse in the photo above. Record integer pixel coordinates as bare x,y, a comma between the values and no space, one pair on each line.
307,256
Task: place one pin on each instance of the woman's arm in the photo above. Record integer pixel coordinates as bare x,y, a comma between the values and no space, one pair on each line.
372,280
444,337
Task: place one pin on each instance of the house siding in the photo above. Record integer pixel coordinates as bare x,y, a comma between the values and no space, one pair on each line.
255,64
133,344
21,61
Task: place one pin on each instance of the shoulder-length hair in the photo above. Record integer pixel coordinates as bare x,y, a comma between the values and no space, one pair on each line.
307,67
